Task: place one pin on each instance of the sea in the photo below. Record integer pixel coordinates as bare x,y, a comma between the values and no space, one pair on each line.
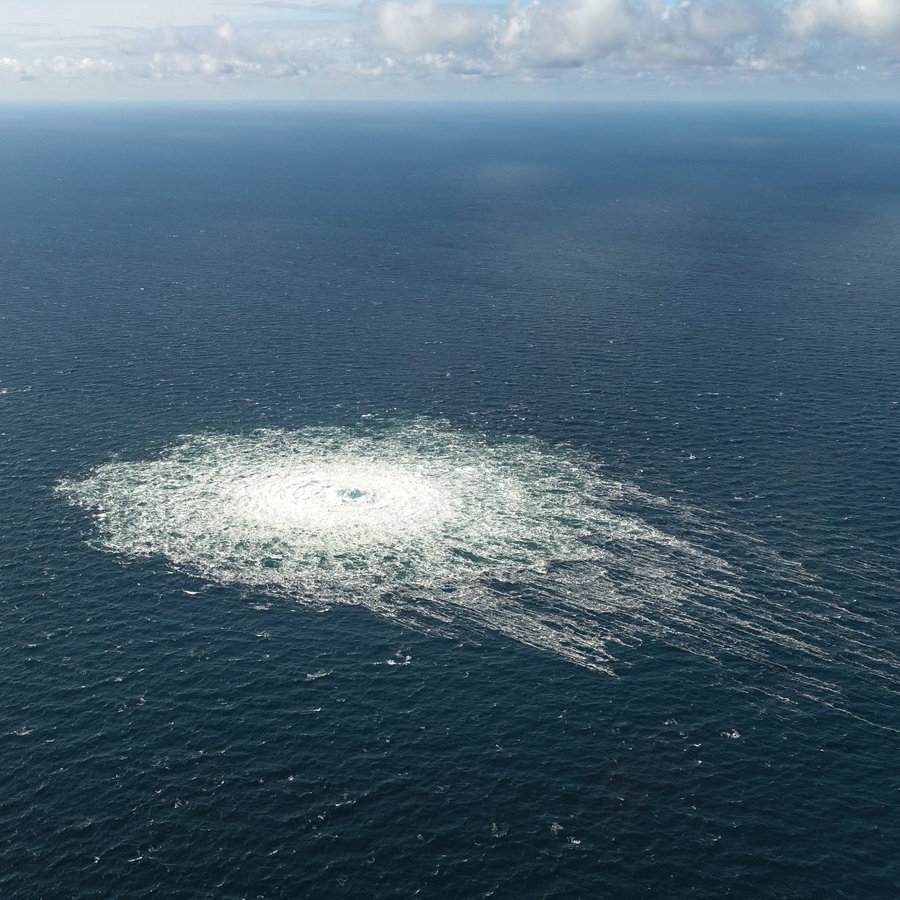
450,501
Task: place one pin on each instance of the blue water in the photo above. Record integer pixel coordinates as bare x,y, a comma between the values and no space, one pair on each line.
650,354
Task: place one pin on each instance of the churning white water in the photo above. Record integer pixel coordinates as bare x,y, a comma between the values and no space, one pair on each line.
443,530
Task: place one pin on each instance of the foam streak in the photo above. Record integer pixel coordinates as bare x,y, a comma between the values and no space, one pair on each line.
443,531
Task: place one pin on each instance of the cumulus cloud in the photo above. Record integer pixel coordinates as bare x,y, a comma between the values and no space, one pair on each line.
216,52
519,41
567,33
58,66
73,68
10,66
424,26
873,19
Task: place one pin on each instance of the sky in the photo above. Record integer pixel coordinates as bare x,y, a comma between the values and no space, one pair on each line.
427,49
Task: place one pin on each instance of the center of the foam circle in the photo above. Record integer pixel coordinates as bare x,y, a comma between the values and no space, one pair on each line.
360,496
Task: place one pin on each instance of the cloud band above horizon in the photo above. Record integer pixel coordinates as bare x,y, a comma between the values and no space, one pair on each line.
264,45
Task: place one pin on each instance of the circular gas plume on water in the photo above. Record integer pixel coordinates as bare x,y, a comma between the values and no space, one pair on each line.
443,530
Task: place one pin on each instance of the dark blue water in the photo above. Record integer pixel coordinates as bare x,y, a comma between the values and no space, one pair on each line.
700,304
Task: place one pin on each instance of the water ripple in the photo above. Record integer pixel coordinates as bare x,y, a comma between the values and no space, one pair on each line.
443,530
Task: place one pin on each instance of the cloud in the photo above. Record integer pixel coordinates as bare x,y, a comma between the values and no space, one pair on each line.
57,67
74,68
14,68
424,26
521,41
877,20
567,33
214,52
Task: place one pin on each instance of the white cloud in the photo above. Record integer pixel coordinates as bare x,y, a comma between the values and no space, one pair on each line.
426,26
74,68
12,68
874,19
566,33
266,41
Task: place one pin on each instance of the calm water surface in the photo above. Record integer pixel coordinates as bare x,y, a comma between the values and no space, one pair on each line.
495,502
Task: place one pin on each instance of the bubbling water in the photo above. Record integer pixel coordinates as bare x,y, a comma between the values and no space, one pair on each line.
442,530
340,495
337,515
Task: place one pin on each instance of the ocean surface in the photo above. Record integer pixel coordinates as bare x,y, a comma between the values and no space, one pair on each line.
450,502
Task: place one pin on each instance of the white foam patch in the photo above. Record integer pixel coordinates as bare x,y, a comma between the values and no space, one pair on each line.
443,530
